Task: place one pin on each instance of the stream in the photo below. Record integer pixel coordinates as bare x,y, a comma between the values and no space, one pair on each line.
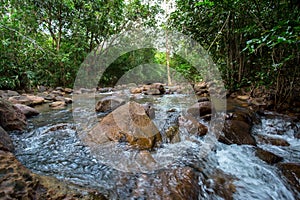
52,146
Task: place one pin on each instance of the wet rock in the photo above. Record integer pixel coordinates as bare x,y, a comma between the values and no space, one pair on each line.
11,118
273,141
58,104
41,88
109,103
237,132
193,126
59,98
179,183
128,123
26,110
17,182
5,142
200,109
57,93
267,156
85,90
172,134
221,184
292,173
29,100
149,109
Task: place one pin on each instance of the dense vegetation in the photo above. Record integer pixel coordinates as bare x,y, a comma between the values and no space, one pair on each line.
253,42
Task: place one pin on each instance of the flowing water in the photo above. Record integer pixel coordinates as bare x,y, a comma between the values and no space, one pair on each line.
52,146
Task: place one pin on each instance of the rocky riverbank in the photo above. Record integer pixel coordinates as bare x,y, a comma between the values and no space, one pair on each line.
17,181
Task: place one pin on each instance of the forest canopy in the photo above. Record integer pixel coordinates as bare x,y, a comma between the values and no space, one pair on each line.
253,43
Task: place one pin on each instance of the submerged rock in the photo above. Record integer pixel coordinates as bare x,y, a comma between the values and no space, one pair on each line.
193,126
292,173
11,118
128,123
267,156
273,141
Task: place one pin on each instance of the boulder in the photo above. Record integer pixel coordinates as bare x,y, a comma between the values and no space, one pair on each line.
29,100
136,90
6,143
237,132
200,109
292,173
58,105
68,100
192,125
68,90
202,99
154,89
109,103
11,118
272,140
26,110
128,123
267,156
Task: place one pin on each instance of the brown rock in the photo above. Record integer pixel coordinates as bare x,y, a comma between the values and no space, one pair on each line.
109,103
200,86
292,173
149,109
26,110
29,100
17,182
243,97
128,123
267,156
68,90
274,141
193,126
237,132
136,90
200,109
58,104
11,118
5,142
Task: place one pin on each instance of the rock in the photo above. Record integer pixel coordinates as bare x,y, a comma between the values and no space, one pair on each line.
11,118
11,93
200,109
221,183
202,92
193,126
179,183
243,97
59,98
68,90
154,89
58,104
292,173
237,132
202,99
109,103
5,142
149,109
68,100
41,88
85,90
200,86
128,123
57,93
26,110
172,134
136,90
17,182
273,141
29,100
267,156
